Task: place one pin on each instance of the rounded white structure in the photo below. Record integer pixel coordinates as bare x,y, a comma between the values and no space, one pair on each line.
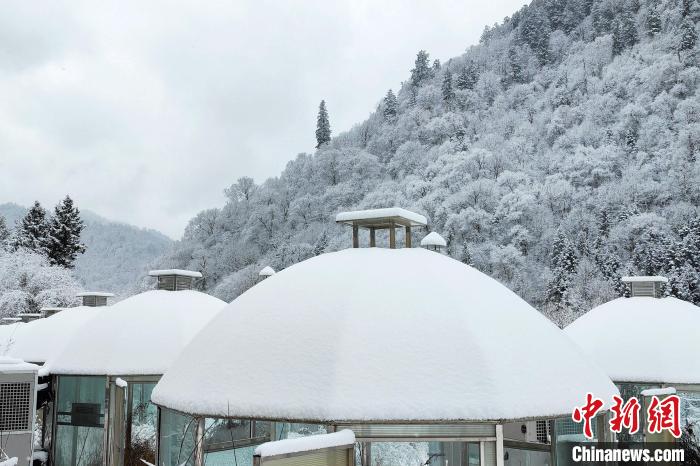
41,339
141,335
383,335
642,339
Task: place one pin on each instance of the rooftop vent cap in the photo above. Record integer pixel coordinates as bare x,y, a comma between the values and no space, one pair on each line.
49,311
433,241
94,298
381,219
175,279
267,272
27,317
645,286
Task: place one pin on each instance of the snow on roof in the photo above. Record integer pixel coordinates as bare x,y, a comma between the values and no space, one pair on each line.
351,336
40,339
8,364
95,293
433,239
267,272
184,273
354,215
642,339
659,391
313,442
140,335
639,278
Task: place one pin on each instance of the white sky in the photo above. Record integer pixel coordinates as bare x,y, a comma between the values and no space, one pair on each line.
145,111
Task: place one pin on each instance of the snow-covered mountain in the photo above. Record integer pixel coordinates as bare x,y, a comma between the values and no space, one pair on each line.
556,155
118,255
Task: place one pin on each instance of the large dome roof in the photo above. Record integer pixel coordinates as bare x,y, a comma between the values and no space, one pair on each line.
40,339
642,339
141,335
383,335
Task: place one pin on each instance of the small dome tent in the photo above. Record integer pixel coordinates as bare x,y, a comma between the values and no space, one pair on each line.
104,375
645,342
400,344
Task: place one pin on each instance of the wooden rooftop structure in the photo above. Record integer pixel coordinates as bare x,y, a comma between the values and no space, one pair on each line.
381,219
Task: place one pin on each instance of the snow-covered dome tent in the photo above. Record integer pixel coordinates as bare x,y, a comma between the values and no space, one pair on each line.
104,375
645,342
396,344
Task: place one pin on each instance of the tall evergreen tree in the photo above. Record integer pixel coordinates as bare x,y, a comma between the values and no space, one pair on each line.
564,264
4,234
515,70
468,77
448,94
323,126
653,21
421,70
534,31
624,31
33,230
391,106
436,65
688,36
65,228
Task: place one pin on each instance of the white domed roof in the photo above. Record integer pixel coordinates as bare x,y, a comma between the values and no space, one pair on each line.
38,340
141,335
384,335
642,339
433,239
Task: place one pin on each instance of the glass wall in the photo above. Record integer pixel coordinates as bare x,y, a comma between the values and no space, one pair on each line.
178,434
225,441
142,421
520,457
428,453
80,417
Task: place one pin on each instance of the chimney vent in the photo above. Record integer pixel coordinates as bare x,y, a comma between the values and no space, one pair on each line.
175,279
49,311
434,242
266,272
381,219
94,298
642,286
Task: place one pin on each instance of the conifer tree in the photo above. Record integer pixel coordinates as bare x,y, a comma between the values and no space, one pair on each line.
391,106
436,66
468,77
564,265
688,36
65,228
653,21
534,31
515,70
448,93
624,32
421,70
323,126
33,230
4,234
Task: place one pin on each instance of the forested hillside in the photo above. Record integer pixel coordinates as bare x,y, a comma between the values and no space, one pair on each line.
556,155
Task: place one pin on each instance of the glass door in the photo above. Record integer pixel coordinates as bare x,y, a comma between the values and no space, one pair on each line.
80,415
132,421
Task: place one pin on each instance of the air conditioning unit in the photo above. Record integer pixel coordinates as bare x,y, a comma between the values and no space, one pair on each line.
17,409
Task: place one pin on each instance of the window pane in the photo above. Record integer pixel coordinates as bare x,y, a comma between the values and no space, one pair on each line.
144,414
80,426
239,457
177,438
514,456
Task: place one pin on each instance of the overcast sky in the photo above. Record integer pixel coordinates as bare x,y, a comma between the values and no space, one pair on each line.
144,111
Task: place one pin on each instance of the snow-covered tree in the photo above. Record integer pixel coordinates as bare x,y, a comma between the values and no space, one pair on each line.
323,126
421,71
33,230
448,93
63,241
391,106
4,234
28,282
468,77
